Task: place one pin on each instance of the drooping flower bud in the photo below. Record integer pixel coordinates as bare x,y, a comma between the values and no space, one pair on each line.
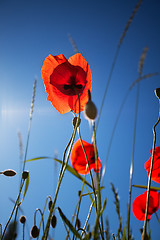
25,174
90,110
22,219
50,204
34,231
157,92
78,223
74,121
53,221
9,173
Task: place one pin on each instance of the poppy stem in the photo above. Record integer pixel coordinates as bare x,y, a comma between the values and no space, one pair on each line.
89,170
15,206
45,234
149,178
79,202
98,185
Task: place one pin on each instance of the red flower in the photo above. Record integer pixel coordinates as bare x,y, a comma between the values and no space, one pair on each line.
156,165
78,158
63,78
139,205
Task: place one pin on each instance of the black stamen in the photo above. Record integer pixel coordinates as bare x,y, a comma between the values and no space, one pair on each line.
66,87
79,86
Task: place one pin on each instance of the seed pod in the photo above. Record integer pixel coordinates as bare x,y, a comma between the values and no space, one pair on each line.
34,231
53,221
22,219
74,121
90,110
9,173
157,92
25,174
49,204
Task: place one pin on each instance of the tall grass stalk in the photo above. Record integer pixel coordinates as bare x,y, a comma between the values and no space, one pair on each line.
132,162
116,56
140,71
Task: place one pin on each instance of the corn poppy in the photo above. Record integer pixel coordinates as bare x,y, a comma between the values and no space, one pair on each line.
63,79
156,165
139,205
78,159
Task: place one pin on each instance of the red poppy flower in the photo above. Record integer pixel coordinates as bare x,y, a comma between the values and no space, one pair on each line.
139,205
156,165
64,78
78,158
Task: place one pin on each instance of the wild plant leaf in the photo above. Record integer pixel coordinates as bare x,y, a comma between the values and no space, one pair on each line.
142,186
104,206
124,233
69,224
89,193
26,188
69,168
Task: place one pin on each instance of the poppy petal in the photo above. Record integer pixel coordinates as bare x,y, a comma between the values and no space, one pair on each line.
156,165
63,79
78,159
139,205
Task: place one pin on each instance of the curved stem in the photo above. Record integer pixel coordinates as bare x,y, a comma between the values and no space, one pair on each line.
15,205
149,178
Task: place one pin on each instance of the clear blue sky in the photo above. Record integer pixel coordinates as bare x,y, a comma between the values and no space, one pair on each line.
30,31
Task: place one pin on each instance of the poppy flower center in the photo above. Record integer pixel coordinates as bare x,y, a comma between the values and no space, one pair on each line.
68,79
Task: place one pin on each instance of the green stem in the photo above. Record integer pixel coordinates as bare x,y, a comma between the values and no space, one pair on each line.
98,185
79,202
45,234
89,170
15,205
149,178
88,216
132,161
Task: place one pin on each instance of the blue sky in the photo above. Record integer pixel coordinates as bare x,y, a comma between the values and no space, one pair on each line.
30,31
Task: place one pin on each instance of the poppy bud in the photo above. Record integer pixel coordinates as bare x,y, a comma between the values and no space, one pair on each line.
90,110
25,174
9,173
22,219
79,193
78,223
157,92
74,121
53,221
49,204
34,231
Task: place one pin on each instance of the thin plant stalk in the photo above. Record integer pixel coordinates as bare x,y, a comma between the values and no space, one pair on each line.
116,56
45,234
132,161
118,116
23,230
79,203
150,175
98,184
89,170
16,205
88,216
